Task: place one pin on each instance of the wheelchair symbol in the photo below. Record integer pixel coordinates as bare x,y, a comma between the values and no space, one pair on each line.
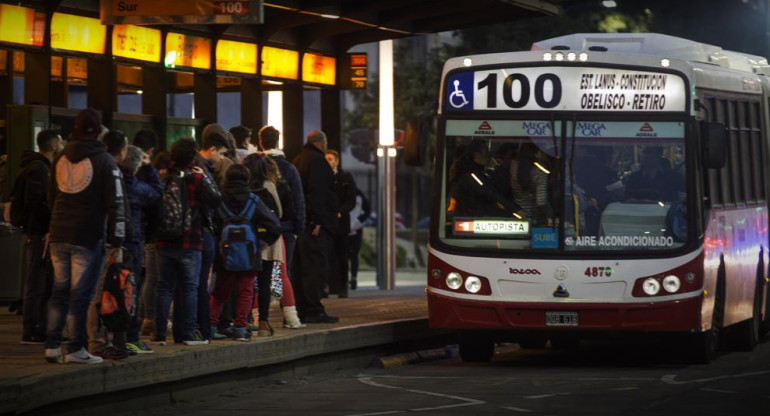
456,95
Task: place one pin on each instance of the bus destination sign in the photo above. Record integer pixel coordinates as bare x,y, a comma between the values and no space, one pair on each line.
565,89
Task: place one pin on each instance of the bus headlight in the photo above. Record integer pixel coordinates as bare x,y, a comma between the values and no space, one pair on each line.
651,286
671,284
473,284
454,280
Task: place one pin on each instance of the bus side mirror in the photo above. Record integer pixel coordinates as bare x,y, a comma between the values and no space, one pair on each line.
414,139
714,137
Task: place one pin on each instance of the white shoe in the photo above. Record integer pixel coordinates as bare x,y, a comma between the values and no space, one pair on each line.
53,355
290,318
82,357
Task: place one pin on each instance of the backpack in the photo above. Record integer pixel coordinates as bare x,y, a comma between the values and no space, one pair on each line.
174,214
118,302
18,215
238,244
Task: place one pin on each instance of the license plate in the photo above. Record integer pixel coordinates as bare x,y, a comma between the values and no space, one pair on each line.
561,319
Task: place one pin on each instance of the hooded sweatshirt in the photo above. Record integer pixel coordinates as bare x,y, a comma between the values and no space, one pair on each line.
87,196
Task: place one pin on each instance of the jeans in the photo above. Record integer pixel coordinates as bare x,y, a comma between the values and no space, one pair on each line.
177,268
203,309
37,287
76,271
150,281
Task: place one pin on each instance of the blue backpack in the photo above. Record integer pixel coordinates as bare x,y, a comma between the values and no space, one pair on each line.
238,244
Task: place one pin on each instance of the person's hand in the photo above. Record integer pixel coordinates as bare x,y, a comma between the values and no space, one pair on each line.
145,159
316,230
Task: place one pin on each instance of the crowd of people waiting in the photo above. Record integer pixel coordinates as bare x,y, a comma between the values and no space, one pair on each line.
216,231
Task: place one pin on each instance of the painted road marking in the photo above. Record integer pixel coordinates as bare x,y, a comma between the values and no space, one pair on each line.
718,391
516,409
465,400
671,378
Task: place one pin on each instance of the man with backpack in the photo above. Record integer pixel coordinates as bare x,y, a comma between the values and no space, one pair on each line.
188,196
87,199
29,211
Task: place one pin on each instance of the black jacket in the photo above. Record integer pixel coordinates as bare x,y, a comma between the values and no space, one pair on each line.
290,174
321,203
86,194
345,188
34,176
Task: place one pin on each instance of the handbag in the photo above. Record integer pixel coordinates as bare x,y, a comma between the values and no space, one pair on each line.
276,282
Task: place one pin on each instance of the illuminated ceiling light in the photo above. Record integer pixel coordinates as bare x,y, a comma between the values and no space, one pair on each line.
330,16
541,167
271,82
467,62
473,175
547,56
140,92
665,63
609,4
387,121
559,56
583,57
275,113
571,56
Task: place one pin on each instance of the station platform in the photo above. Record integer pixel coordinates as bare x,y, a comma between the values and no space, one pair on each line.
368,318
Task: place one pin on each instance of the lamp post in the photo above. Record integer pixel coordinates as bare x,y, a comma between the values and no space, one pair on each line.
386,174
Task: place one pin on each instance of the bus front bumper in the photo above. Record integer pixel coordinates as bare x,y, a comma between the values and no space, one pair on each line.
669,316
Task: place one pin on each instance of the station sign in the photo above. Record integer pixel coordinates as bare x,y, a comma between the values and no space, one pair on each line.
136,42
353,74
280,63
188,51
236,56
319,69
565,89
157,12
21,25
77,34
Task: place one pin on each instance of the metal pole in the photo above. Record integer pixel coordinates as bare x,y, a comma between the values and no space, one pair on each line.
386,213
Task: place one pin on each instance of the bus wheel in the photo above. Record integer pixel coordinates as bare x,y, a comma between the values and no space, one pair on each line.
702,348
475,347
745,335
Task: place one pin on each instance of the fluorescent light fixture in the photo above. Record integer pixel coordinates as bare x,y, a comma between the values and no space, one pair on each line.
609,4
387,129
275,113
330,16
140,92
541,167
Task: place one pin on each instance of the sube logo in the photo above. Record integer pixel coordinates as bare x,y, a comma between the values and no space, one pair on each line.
511,270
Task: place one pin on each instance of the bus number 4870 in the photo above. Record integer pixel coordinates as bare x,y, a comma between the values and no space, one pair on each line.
598,271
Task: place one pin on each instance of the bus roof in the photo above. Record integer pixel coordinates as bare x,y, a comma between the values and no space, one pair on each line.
657,45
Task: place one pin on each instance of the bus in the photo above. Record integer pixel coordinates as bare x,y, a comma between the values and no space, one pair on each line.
602,184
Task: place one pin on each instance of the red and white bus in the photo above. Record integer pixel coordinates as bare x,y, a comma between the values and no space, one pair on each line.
602,183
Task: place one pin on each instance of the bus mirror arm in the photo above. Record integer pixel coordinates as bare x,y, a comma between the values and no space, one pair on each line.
714,138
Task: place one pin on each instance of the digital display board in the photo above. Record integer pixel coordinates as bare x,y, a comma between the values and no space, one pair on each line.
136,42
77,33
280,63
21,25
319,69
236,56
188,51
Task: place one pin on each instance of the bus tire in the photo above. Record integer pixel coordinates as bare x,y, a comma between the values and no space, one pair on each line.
764,326
744,336
703,347
475,347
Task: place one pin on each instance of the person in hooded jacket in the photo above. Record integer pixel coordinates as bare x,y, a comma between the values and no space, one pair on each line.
34,176
235,195
86,196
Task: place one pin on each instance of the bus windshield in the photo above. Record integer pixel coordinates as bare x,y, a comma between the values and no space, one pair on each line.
564,186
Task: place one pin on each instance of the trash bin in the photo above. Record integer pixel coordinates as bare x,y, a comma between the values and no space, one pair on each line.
11,261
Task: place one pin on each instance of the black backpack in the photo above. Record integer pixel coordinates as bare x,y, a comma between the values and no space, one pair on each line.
19,215
118,302
174,214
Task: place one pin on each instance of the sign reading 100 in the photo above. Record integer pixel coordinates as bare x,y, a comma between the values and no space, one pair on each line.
538,92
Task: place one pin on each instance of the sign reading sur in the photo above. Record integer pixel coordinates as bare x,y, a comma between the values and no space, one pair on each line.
149,12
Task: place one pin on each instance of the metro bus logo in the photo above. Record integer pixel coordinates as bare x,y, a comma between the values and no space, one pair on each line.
485,126
646,127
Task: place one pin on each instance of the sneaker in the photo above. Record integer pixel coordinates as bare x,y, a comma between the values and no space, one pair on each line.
82,357
109,353
157,341
321,318
215,335
195,339
53,355
241,334
138,347
34,339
